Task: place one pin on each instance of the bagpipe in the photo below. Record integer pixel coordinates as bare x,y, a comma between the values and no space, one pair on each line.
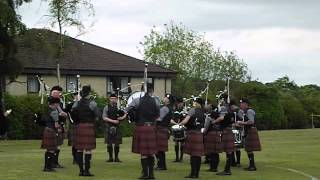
66,101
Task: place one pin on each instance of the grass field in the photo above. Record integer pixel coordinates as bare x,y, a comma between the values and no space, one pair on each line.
283,152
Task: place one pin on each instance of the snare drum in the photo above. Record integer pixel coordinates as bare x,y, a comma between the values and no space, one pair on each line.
178,132
237,137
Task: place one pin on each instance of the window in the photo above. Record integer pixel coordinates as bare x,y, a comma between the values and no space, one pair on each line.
114,83
150,81
33,84
72,83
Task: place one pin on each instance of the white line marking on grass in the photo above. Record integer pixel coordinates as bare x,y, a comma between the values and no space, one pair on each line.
296,171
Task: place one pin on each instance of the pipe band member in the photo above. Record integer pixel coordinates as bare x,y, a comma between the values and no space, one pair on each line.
144,136
56,91
251,136
225,121
49,138
212,138
178,116
85,113
194,146
113,135
162,131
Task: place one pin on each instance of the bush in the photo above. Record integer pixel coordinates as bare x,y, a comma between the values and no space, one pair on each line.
22,125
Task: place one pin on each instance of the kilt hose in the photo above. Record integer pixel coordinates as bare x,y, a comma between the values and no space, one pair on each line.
227,140
252,141
194,143
113,139
49,139
84,136
212,142
144,140
162,135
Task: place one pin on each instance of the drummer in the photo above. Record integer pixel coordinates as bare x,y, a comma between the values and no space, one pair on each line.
162,131
176,119
194,122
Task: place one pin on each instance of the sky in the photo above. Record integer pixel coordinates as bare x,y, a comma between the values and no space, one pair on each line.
274,38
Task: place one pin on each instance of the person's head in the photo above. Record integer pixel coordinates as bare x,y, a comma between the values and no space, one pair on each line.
149,89
57,88
198,102
168,99
85,90
244,104
53,101
179,102
113,98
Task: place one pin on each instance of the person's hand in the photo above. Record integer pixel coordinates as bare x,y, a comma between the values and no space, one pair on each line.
7,112
63,114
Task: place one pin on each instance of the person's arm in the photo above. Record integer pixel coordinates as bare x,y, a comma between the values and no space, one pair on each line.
250,114
61,112
163,112
187,118
94,107
105,117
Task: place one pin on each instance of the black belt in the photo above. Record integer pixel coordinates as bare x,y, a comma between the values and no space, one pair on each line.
145,124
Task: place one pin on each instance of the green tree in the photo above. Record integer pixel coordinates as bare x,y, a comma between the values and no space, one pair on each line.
191,55
10,26
66,13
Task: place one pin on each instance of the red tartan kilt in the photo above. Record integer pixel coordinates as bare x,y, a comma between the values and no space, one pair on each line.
49,139
84,136
194,143
212,142
252,141
60,138
144,140
162,138
116,139
227,140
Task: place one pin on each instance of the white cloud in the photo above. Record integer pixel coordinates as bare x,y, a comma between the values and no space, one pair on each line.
274,37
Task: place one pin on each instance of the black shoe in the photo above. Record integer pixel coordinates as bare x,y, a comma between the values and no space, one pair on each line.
177,160
117,160
224,173
81,173
87,173
109,160
238,165
190,176
250,168
160,168
57,166
212,170
49,170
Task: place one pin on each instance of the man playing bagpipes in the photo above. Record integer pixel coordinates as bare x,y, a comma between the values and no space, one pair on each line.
113,135
50,133
85,113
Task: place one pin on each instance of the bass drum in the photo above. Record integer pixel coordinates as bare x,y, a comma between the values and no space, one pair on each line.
135,95
140,94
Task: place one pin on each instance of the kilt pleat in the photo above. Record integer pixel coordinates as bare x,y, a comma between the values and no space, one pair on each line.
227,140
84,136
116,139
162,138
212,142
252,141
49,139
144,140
194,143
